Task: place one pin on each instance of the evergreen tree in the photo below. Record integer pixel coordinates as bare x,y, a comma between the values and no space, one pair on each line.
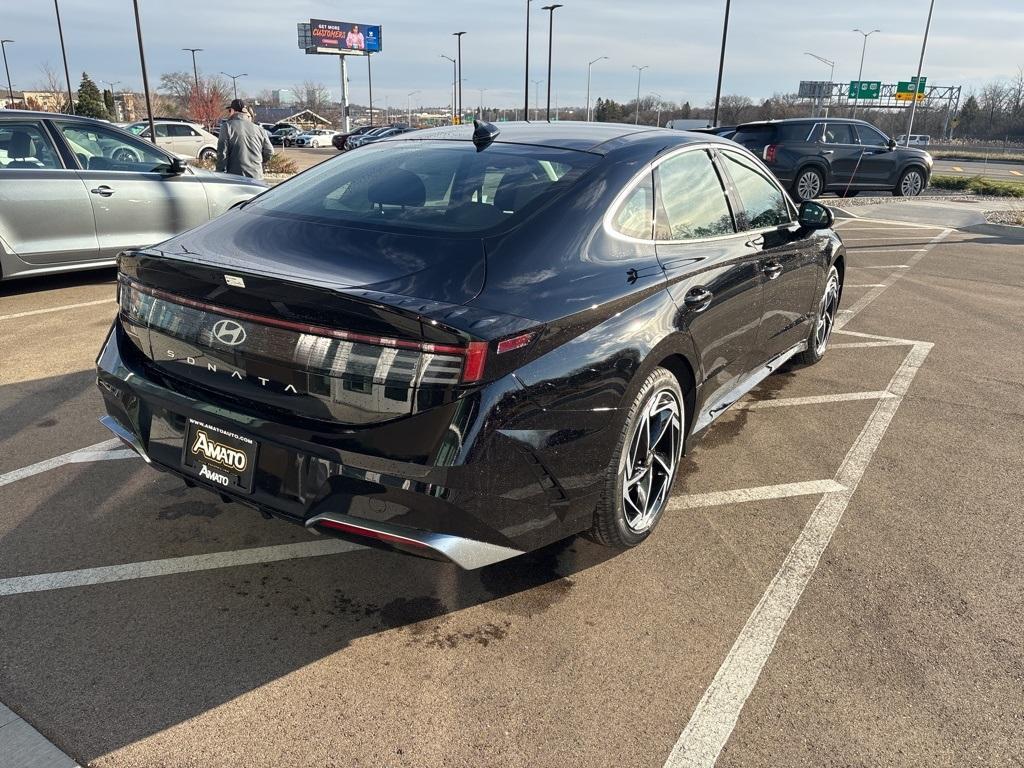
108,101
968,118
90,102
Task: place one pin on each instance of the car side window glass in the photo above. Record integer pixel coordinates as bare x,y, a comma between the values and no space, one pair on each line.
176,130
764,204
24,146
102,149
161,131
691,202
870,137
839,133
635,216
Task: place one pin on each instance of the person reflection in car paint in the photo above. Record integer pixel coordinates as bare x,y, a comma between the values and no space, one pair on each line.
355,40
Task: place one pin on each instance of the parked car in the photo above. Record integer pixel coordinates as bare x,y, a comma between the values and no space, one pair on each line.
370,136
916,140
387,133
814,155
318,137
180,137
469,343
725,131
284,137
339,139
76,192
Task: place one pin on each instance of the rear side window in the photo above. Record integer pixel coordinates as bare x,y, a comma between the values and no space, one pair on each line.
430,186
691,201
794,132
24,146
764,204
754,135
635,217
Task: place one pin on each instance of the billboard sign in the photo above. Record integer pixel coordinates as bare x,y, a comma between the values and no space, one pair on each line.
814,89
344,36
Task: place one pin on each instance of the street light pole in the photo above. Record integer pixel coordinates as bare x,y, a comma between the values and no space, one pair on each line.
482,101
195,69
660,102
536,99
639,70
721,65
831,76
920,64
551,28
589,66
64,53
860,72
10,90
408,108
234,81
458,78
526,85
455,76
145,76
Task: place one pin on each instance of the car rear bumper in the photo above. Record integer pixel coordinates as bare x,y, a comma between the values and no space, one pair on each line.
473,500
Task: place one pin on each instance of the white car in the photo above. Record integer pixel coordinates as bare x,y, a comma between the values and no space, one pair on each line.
916,140
181,137
321,137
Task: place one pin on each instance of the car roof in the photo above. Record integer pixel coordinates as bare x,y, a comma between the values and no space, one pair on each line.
802,120
599,138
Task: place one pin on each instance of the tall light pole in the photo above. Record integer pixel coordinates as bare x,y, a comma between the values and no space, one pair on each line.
536,98
458,79
234,81
920,63
408,107
482,101
639,70
660,102
860,72
195,69
551,28
64,54
589,66
831,76
10,90
455,76
145,76
526,85
721,65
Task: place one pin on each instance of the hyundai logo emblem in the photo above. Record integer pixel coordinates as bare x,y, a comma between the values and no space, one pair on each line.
229,332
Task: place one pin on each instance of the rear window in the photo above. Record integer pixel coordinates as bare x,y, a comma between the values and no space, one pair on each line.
754,135
429,186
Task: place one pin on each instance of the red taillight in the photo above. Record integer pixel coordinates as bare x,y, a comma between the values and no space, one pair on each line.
516,342
770,151
476,357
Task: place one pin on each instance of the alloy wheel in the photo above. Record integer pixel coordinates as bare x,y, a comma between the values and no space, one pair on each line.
912,184
649,465
808,185
826,314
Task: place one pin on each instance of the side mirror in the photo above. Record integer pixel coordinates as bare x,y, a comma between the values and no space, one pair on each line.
815,215
177,167
892,144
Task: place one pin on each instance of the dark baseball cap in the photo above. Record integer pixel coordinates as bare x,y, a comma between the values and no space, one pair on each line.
237,104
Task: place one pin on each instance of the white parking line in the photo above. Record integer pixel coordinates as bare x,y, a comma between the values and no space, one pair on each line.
760,493
17,585
854,251
715,717
98,452
898,223
879,266
784,402
865,344
56,309
863,285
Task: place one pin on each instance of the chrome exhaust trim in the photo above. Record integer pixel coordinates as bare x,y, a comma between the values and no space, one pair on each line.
126,437
465,553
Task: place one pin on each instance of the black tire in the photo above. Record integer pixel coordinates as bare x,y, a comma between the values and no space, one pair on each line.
208,154
911,183
808,184
828,303
612,526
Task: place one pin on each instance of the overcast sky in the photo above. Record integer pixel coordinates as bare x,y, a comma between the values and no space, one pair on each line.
970,43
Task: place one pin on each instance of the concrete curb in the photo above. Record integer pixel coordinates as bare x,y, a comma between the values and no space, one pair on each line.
22,746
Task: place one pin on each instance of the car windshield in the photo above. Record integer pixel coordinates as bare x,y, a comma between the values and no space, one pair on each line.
138,128
429,186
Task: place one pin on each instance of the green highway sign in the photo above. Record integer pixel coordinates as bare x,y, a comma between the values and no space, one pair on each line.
864,89
908,90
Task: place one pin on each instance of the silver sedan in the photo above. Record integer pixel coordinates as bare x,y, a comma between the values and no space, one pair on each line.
75,192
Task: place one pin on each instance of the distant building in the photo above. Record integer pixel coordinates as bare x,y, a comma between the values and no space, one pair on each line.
304,118
45,101
284,96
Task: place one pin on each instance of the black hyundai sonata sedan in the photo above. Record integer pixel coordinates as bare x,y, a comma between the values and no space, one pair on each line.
467,344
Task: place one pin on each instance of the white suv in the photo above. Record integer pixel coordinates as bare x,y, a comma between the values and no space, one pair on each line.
182,138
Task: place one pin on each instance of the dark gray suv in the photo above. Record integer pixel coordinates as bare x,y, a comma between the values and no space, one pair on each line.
816,155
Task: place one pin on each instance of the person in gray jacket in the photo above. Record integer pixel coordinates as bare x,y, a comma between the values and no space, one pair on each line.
242,146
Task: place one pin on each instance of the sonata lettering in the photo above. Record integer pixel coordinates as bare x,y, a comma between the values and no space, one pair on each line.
240,375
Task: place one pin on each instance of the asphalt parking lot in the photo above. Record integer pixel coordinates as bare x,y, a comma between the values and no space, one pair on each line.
838,580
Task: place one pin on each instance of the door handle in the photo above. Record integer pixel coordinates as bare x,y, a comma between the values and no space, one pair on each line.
755,242
829,152
698,299
772,269
103,190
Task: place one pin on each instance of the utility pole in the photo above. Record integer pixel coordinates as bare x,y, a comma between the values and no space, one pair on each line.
639,70
551,28
344,93
536,99
64,53
145,77
526,86
10,90
369,78
458,36
721,65
589,66
455,76
920,64
860,72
